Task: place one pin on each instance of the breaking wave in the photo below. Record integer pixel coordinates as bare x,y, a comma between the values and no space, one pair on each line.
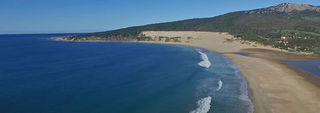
205,60
203,105
219,85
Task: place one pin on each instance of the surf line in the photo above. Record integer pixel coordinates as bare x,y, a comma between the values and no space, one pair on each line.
205,60
203,105
219,85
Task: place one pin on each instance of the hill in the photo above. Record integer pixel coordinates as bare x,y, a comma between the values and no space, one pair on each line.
294,27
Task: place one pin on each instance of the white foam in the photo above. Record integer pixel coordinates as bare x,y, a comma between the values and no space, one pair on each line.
203,105
205,60
219,85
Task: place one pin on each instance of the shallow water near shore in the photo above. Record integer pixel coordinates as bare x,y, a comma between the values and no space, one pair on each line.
40,75
310,66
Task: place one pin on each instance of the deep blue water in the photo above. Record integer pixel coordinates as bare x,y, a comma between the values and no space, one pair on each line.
309,66
40,75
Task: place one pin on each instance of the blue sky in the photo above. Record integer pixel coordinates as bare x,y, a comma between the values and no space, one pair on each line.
72,16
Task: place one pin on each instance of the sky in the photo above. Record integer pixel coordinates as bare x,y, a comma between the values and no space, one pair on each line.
82,16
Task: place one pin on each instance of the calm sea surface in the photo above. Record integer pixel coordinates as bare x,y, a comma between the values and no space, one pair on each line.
309,66
40,75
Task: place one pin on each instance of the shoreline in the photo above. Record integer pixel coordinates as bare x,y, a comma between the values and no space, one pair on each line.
273,85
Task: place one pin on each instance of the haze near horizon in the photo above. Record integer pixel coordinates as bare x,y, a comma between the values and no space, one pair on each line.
77,16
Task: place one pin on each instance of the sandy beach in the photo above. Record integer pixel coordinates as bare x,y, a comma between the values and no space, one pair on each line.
274,86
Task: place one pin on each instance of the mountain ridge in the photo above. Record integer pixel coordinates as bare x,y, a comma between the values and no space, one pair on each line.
285,8
299,22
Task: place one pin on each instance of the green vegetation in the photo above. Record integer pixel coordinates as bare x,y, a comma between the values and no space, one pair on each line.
301,28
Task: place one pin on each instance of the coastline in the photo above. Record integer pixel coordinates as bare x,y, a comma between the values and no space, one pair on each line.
274,87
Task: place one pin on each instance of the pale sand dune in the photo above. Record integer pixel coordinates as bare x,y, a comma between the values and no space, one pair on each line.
275,87
215,41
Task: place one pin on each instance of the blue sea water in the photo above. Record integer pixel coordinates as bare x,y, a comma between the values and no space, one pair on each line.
40,75
309,66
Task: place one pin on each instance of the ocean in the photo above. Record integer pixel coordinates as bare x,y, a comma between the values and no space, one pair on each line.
41,75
